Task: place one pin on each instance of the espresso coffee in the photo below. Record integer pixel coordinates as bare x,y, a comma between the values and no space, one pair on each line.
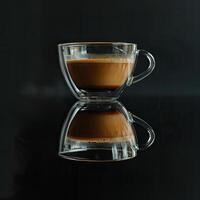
108,73
93,126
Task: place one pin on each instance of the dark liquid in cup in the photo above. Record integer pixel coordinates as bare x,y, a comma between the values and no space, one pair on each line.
100,73
93,126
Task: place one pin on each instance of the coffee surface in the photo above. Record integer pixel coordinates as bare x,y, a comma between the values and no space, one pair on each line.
100,73
100,127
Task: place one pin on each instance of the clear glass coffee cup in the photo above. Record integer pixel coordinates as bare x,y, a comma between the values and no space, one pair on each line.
100,71
102,132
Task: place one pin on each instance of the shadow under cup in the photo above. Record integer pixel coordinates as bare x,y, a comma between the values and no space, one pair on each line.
98,70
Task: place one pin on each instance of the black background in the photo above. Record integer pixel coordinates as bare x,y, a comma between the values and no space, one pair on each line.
35,99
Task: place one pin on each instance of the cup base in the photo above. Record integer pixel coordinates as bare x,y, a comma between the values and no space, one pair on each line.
97,99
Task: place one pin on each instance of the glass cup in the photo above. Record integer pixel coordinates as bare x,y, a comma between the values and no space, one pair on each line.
96,71
102,132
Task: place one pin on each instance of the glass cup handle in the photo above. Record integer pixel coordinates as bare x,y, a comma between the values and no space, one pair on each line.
147,127
147,72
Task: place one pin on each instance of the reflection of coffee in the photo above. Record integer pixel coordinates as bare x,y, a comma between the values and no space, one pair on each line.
100,73
100,127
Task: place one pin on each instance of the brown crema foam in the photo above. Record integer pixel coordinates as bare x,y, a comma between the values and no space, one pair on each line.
100,73
92,126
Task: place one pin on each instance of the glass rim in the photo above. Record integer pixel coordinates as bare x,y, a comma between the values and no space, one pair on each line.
97,43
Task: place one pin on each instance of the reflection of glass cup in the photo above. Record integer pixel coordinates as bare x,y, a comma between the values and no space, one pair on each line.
100,70
101,132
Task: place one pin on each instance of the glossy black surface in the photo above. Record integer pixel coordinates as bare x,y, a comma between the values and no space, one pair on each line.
168,170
